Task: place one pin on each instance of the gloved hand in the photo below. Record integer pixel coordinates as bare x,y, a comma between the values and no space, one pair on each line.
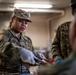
27,56
59,60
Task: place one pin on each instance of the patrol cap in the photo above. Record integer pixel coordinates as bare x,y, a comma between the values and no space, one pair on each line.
19,13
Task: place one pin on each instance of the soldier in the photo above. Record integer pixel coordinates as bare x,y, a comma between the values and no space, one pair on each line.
61,47
68,66
12,40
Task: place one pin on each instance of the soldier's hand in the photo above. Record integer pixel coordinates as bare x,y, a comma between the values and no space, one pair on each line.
15,46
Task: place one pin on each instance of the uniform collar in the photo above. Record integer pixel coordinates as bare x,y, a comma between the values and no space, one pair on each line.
15,35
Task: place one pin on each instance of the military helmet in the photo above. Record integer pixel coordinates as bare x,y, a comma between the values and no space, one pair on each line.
22,14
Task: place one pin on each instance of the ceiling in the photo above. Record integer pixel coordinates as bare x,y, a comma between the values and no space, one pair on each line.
58,5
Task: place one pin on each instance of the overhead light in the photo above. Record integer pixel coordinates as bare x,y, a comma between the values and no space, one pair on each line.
33,5
44,10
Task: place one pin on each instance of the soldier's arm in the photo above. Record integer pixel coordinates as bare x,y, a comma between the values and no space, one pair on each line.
8,53
56,45
4,44
58,69
49,70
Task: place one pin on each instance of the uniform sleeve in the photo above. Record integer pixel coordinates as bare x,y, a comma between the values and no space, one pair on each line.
48,70
4,43
56,45
7,53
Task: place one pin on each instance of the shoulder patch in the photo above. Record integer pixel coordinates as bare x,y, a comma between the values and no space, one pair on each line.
1,32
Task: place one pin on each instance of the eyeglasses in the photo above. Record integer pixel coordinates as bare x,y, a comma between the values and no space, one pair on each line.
21,20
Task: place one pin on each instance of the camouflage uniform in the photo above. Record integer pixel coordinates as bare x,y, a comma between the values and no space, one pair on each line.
62,49
61,46
9,55
67,67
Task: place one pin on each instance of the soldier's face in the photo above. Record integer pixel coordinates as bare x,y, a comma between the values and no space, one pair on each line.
19,25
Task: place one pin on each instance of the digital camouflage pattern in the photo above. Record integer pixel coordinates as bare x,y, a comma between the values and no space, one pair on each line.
67,67
22,14
9,56
61,46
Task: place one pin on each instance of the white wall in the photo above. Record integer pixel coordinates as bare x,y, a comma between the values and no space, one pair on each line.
37,30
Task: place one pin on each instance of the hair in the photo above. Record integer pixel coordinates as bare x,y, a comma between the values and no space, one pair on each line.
11,20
